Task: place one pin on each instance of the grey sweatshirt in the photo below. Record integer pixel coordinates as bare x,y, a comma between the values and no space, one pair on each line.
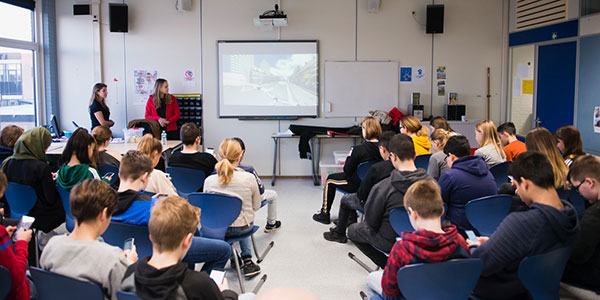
92,261
490,155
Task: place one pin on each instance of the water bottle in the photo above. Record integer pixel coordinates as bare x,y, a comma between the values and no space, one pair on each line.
163,138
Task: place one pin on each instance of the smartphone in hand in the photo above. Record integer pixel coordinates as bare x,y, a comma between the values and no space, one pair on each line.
128,244
471,235
108,175
25,223
217,276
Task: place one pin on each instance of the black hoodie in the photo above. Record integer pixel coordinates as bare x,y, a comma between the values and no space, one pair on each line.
174,282
367,151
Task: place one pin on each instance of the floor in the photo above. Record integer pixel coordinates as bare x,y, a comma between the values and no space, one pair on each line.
301,258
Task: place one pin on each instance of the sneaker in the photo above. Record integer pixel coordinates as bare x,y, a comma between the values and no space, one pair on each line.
322,217
250,269
271,227
333,236
240,261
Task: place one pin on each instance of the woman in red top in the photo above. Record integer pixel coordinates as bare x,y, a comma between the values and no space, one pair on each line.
163,107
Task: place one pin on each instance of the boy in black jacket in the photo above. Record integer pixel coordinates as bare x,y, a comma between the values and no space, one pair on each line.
351,202
584,265
376,232
163,276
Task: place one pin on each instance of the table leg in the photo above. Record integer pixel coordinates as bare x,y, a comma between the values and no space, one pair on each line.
316,156
275,142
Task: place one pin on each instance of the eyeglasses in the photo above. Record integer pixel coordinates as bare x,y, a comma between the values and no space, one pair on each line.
578,186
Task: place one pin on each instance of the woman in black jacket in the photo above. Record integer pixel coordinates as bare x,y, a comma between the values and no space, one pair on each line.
348,180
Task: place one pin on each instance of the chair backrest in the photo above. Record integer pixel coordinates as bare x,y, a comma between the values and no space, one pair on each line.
218,212
105,169
450,280
117,233
541,273
21,199
5,282
500,173
578,201
400,221
186,180
121,295
64,197
50,286
486,213
363,168
422,161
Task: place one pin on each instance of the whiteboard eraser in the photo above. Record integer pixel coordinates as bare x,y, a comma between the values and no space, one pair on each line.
329,106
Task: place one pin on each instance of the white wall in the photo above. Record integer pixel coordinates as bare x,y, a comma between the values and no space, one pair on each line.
161,38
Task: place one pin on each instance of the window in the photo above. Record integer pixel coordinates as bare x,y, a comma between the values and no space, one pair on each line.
17,67
589,7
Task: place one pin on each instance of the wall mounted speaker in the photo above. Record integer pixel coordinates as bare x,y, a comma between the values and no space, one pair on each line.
435,18
373,5
81,9
117,15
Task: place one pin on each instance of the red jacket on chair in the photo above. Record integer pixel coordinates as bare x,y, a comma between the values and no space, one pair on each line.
172,114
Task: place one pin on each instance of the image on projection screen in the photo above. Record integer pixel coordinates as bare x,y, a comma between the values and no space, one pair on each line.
268,79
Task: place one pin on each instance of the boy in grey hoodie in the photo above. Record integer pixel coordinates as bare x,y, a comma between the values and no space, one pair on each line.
376,232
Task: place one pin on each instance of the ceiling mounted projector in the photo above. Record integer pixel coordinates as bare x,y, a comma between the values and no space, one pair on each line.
270,19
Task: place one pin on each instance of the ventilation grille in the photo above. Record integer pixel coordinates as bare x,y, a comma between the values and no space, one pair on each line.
537,13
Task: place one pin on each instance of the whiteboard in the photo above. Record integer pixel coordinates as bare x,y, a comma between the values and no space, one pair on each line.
353,88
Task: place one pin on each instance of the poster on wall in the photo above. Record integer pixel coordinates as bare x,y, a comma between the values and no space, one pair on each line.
405,74
527,87
144,84
418,75
189,78
441,72
597,119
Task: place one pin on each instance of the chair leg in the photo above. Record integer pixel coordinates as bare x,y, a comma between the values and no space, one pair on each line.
259,284
261,257
37,248
360,262
238,269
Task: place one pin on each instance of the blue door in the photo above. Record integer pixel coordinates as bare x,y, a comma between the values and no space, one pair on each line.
556,85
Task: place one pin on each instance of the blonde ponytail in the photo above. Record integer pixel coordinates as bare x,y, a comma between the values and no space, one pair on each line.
440,135
230,151
149,144
413,125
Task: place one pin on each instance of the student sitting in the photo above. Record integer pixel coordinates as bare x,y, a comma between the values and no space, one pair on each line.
541,140
8,137
190,157
437,161
134,207
376,232
172,225
584,266
80,255
490,146
158,182
78,156
429,243
15,261
351,202
440,123
467,179
232,180
28,165
512,146
103,134
569,143
412,127
269,195
549,223
348,180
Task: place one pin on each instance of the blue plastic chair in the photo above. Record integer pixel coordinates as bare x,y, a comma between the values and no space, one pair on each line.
500,173
186,180
5,282
486,213
363,168
52,286
117,233
105,169
422,161
21,199
578,201
400,221
122,295
64,197
541,273
218,212
449,280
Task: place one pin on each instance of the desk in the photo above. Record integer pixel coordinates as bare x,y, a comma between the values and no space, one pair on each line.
57,148
313,154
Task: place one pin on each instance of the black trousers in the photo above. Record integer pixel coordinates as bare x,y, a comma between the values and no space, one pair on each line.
335,181
363,237
348,206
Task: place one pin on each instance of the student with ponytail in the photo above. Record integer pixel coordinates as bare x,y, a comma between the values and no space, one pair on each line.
412,127
490,146
437,161
232,180
158,182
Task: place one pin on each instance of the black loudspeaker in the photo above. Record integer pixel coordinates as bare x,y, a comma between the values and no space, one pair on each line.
435,18
455,112
81,9
117,14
